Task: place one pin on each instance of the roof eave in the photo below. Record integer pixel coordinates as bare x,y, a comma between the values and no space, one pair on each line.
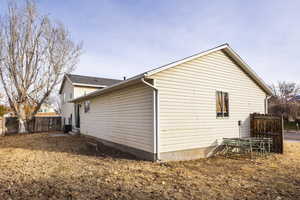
224,47
63,82
231,53
248,70
61,86
88,85
173,64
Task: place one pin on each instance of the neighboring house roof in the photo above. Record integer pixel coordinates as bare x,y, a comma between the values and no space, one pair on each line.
88,81
225,48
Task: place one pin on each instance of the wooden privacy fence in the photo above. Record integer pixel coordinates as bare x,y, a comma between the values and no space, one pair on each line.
37,124
268,126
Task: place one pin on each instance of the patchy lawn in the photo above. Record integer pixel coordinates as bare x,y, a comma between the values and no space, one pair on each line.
39,166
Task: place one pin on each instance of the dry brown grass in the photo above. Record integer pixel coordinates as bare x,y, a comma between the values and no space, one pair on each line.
38,166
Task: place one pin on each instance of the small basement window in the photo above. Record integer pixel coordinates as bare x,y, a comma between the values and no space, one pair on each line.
222,104
87,106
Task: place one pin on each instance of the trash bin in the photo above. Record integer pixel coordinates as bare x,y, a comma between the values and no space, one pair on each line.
67,128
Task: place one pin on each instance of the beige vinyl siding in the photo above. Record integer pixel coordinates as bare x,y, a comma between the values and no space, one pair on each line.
187,104
80,91
124,116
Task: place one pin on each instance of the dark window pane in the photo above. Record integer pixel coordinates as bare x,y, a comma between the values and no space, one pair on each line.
226,104
220,114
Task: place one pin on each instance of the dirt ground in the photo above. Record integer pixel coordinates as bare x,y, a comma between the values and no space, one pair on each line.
39,166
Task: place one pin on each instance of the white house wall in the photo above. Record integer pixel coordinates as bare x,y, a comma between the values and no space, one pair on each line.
123,116
72,92
187,103
67,108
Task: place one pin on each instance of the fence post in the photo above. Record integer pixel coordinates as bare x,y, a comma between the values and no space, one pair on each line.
282,133
3,126
251,124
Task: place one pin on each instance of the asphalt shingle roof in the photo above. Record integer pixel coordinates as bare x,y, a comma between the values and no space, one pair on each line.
91,80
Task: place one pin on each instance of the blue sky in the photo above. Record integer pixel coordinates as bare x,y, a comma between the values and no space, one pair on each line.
127,37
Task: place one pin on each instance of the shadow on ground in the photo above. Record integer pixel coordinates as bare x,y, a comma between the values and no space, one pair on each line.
55,142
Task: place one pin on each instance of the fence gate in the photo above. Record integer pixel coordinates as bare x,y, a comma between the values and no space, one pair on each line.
269,126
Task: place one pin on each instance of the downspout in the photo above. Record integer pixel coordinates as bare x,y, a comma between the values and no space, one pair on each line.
156,117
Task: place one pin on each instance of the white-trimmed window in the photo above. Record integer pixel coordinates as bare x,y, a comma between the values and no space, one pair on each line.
222,104
87,106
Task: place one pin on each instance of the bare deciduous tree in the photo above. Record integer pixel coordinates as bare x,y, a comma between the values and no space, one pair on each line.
55,102
283,101
285,90
34,55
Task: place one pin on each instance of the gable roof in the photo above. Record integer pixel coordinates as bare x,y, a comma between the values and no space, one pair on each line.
224,47
88,81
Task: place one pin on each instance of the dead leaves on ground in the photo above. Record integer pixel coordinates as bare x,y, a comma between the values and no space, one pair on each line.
38,166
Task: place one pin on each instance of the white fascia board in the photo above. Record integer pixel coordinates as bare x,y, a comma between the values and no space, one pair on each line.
230,52
248,70
173,64
147,74
88,85
63,83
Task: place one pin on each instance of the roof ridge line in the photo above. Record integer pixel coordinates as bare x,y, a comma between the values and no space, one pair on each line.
68,74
